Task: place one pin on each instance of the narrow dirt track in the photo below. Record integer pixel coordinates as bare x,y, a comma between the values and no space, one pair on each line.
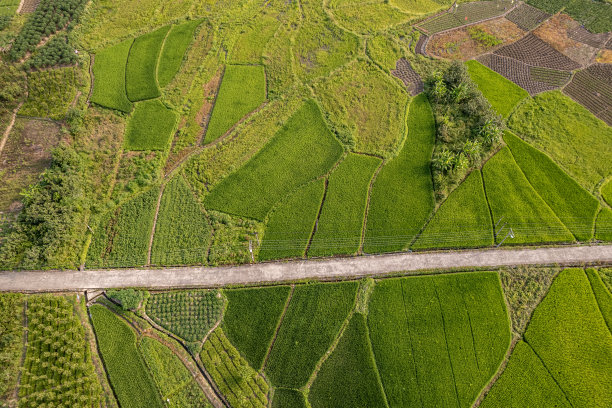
331,268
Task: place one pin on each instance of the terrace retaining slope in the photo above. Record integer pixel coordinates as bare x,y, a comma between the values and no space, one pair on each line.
323,269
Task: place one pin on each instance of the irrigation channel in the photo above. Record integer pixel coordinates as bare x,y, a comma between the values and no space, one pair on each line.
321,269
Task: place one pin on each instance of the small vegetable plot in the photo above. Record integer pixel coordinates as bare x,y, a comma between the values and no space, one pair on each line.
190,314
438,340
239,383
242,90
141,69
150,127
57,367
109,77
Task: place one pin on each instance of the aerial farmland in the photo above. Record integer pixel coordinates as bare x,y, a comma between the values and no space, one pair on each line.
305,203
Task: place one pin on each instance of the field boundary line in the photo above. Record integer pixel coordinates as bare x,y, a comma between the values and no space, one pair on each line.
450,360
8,129
373,357
549,372
18,11
92,60
367,208
152,235
414,364
597,301
278,326
498,373
316,223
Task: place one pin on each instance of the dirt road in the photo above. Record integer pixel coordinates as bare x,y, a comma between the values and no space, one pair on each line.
296,270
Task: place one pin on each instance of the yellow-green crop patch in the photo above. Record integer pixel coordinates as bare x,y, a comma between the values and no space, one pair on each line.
340,225
603,227
438,339
141,68
574,206
363,100
301,151
462,221
242,90
402,194
251,42
51,92
367,16
175,45
109,77
517,206
150,127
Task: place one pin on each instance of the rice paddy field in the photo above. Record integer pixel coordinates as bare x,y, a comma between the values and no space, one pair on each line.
153,134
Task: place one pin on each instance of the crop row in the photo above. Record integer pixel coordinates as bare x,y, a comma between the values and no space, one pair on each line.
57,367
409,77
189,315
527,17
466,13
237,381
593,93
536,52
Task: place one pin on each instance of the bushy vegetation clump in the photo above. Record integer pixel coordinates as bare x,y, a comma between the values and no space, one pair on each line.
50,16
58,51
467,130
11,337
128,298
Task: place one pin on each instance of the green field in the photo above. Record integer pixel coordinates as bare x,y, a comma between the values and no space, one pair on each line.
513,198
285,398
574,206
182,232
141,67
348,377
438,340
11,337
109,77
291,223
125,367
251,319
242,91
174,382
187,314
178,40
402,194
301,151
342,216
122,238
150,127
462,221
503,94
568,133
602,294
603,227
312,321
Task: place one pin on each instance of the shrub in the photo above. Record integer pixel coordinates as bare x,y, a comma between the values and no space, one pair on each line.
128,298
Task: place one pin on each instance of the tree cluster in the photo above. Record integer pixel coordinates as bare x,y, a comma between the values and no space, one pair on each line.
129,298
50,16
467,127
58,51
49,226
5,21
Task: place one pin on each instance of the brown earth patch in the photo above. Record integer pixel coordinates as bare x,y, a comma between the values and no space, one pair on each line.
604,57
26,154
556,32
458,44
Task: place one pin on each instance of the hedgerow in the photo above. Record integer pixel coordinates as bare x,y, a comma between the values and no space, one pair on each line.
188,314
58,368
122,237
237,381
503,94
183,231
285,163
341,222
242,90
292,222
312,321
575,207
438,340
178,40
348,377
141,68
251,318
569,334
126,369
150,127
50,16
402,194
175,383
462,221
109,77
525,382
514,201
